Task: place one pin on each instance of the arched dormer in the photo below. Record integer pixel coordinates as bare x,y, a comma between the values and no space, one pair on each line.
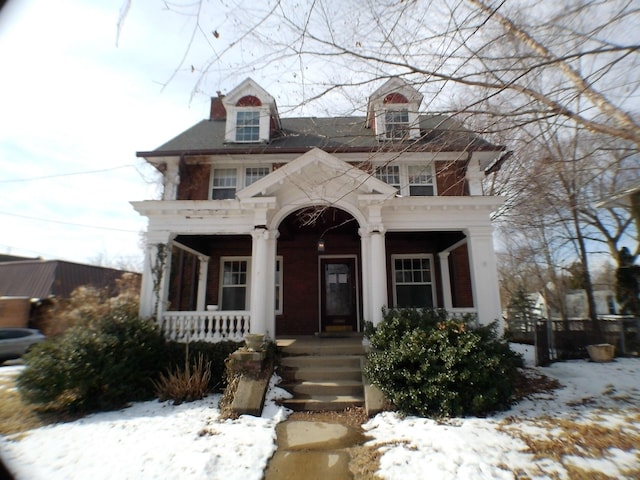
252,114
393,111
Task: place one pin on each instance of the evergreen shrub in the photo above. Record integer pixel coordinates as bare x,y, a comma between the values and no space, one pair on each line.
429,364
102,364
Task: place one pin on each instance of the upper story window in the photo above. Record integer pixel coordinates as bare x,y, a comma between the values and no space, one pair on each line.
224,183
396,124
251,114
253,174
389,174
248,126
420,180
416,180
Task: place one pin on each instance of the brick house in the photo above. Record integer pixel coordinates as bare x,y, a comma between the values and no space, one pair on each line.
292,226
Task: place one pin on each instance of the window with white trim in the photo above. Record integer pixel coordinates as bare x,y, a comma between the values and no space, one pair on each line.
224,183
253,174
396,124
389,174
234,283
247,126
413,281
420,180
415,180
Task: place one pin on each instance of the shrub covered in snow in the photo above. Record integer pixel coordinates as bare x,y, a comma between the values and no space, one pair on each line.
102,364
430,365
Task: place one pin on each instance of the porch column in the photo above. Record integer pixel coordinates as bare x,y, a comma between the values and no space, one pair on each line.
484,275
270,284
445,279
203,265
365,255
378,275
155,271
259,280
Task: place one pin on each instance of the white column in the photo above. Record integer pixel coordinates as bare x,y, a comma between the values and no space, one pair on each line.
474,176
445,280
259,280
365,255
203,271
171,180
270,284
149,301
378,275
484,275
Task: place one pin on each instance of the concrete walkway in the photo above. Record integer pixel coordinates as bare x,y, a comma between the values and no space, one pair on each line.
313,450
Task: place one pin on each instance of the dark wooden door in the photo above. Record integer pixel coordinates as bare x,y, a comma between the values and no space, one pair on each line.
338,295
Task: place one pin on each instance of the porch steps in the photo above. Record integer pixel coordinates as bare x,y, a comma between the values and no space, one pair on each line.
322,374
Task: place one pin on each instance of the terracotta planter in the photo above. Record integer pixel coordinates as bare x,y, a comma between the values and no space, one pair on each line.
254,341
602,352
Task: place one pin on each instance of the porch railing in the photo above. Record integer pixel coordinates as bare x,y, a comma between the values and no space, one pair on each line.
207,326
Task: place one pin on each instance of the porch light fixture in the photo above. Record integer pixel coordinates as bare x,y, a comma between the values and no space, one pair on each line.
321,245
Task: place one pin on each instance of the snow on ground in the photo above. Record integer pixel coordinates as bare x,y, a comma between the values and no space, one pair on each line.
149,440
604,397
154,440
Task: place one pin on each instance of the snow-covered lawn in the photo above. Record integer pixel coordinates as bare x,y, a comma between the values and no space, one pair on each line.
590,425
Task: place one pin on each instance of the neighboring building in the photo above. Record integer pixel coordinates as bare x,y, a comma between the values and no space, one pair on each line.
25,282
294,226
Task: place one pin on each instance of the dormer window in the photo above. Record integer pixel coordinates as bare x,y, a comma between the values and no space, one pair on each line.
251,114
396,124
393,111
248,126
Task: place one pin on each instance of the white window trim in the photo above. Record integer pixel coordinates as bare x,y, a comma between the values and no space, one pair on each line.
231,125
404,175
240,174
247,300
279,259
381,124
431,271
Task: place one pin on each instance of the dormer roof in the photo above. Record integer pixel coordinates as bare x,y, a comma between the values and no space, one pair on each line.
393,91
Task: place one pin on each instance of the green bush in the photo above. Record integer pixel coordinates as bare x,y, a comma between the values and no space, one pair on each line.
430,365
102,364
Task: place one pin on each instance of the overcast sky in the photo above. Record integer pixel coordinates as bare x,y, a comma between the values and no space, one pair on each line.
74,109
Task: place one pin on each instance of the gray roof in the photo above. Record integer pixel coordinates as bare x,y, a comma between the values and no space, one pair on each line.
45,278
333,134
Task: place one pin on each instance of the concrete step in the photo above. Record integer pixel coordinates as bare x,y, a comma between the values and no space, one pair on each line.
324,403
319,373
314,389
321,345
303,361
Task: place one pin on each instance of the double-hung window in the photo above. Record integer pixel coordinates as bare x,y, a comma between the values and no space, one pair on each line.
420,180
413,281
253,174
396,124
224,183
247,126
234,283
389,174
416,180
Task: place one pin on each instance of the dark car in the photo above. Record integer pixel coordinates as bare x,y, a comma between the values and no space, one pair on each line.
14,342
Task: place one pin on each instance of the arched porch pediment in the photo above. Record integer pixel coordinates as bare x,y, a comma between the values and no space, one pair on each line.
317,178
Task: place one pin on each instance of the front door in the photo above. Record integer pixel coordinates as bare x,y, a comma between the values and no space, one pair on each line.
338,305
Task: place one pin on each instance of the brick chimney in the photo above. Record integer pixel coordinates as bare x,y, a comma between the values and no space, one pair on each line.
218,111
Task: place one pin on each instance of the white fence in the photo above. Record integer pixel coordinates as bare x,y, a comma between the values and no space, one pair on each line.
206,326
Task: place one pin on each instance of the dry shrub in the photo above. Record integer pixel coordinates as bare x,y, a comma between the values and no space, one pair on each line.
185,384
88,304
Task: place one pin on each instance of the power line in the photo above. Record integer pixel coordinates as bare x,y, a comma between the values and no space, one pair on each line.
69,223
88,172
